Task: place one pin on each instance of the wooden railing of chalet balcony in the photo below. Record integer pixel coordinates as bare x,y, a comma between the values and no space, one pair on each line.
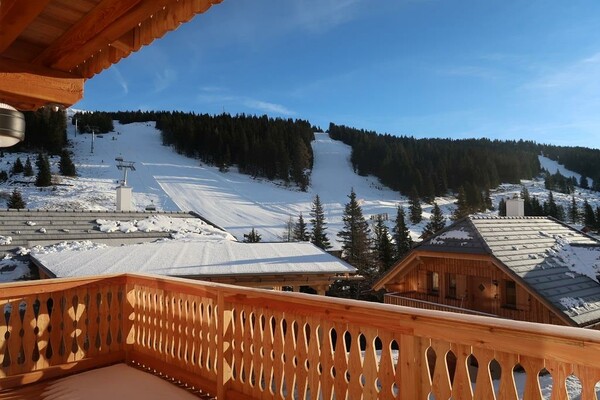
240,343
425,302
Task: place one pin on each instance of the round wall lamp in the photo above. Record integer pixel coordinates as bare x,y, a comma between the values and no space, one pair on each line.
12,126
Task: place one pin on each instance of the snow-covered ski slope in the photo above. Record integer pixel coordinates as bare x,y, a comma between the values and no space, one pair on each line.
237,202
234,201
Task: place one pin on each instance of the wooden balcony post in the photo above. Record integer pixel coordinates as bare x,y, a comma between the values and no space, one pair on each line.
224,350
409,368
129,306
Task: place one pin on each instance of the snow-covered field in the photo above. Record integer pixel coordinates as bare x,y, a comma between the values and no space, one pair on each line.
237,202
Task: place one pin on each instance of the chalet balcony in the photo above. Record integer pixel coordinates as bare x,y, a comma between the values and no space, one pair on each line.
429,302
239,343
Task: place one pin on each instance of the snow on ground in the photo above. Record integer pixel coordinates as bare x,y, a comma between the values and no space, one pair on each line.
168,181
553,166
237,202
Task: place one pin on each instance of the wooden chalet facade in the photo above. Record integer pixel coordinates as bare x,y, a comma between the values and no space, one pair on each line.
505,267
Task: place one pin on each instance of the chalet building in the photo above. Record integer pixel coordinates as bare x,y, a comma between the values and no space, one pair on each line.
533,269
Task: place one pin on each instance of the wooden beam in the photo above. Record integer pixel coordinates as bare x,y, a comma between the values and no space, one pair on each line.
124,43
457,256
97,31
5,6
90,26
28,87
14,18
122,26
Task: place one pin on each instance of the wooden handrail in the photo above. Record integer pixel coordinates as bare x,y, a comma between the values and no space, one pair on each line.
249,343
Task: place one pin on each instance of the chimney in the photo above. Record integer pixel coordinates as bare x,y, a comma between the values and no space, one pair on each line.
124,194
515,207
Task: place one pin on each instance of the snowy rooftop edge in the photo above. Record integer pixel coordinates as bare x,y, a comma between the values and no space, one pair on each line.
195,259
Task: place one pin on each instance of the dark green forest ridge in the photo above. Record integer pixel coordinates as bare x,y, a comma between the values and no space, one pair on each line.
280,149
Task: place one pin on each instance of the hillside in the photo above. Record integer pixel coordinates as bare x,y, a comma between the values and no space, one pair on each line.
237,202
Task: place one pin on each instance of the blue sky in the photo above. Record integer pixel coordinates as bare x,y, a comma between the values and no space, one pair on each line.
522,69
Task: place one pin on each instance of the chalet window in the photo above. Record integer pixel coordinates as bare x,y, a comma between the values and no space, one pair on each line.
451,285
510,294
433,282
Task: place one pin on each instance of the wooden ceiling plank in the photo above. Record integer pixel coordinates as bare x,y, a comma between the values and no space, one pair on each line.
114,31
68,14
6,6
22,50
14,19
37,85
139,15
97,20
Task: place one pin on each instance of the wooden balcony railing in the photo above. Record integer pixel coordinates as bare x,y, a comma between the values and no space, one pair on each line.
427,302
240,343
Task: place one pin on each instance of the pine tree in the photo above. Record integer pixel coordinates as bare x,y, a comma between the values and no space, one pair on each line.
550,207
436,223
527,205
383,248
355,244
462,208
318,236
560,213
502,207
589,219
16,200
300,231
597,227
39,161
488,201
17,167
28,170
66,166
583,182
573,211
288,232
536,208
402,236
300,164
252,237
44,177
415,207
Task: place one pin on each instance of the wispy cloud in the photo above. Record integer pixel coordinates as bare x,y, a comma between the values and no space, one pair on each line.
259,23
220,96
268,107
120,79
322,15
470,71
163,79
579,76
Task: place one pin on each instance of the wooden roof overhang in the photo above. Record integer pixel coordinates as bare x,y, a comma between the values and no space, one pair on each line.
414,258
48,48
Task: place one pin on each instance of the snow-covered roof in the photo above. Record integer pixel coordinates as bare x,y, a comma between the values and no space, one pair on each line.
555,260
28,228
195,258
